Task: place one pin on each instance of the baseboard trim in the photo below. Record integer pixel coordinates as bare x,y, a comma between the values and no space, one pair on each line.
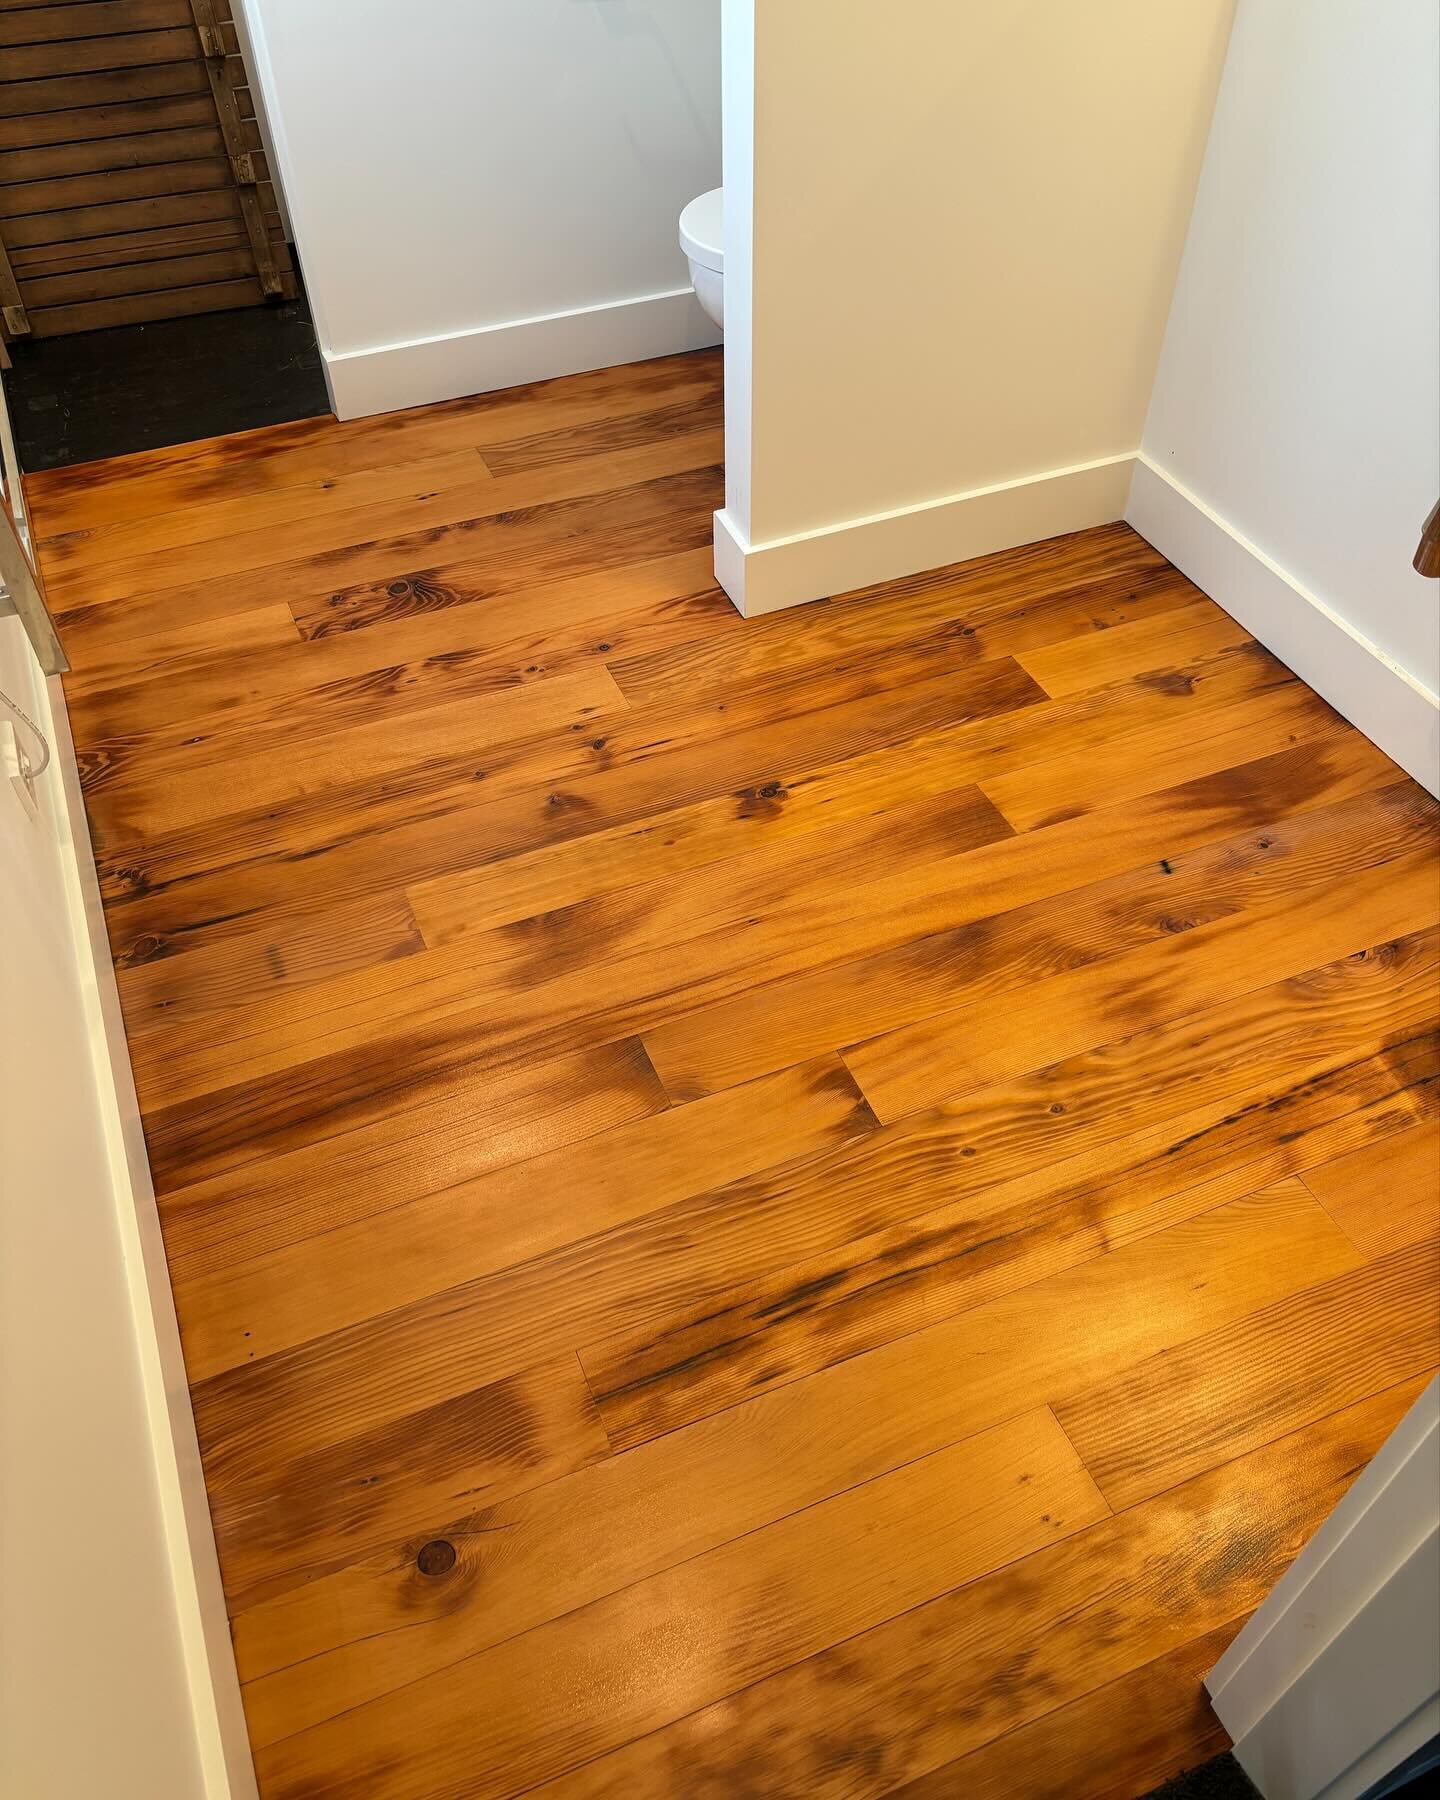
856,553
389,376
1394,710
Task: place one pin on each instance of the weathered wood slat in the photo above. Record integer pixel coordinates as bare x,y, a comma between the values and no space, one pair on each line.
62,93
39,61
132,309
121,117
88,19
106,155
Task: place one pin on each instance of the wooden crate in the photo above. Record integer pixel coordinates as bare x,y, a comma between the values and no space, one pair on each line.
133,181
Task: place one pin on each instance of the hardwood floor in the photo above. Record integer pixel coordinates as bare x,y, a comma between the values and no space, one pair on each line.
795,1207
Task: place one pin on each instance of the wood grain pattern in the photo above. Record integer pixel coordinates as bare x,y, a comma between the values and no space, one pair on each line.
1387,1200
941,1679
812,1579
363,1630
1288,1364
701,1157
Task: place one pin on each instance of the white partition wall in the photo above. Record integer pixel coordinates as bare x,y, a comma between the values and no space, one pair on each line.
952,231
486,192
1292,450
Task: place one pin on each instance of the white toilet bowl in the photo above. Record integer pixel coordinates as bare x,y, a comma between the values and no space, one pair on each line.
702,238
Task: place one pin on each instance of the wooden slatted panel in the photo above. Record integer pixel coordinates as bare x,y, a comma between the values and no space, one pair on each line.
106,87
80,124
95,315
72,56
130,169
77,223
131,246
88,19
70,191
99,155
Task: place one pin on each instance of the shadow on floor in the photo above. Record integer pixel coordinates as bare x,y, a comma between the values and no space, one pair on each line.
138,387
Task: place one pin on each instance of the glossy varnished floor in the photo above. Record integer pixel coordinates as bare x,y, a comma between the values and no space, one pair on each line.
804,1207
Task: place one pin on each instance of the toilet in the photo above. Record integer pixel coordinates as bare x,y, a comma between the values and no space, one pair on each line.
702,238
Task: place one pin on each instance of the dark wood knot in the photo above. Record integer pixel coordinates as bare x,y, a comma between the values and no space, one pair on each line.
436,1558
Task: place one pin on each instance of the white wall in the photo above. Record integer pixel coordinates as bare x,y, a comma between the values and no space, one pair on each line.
108,1671
459,169
1298,397
963,230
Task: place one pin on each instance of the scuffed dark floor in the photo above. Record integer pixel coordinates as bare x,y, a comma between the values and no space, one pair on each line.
1220,1779
138,387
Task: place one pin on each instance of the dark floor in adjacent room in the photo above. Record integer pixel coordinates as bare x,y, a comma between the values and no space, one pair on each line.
141,387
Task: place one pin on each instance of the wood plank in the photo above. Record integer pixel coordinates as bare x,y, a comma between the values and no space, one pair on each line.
424,1141
570,540
128,247
88,19
666,1269
986,1240
175,656
1151,647
551,1699
1047,1630
516,507
88,156
728,1475
117,117
1126,1738
34,62
173,1133
951,1053
134,309
197,524
509,1215
1067,786
20,99
340,1499
177,476
70,192
78,223
690,759
841,1004
205,786
1387,1199
162,979
165,274
541,981
993,608
1293,1362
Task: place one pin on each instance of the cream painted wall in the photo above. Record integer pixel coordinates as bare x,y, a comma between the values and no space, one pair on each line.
115,1670
487,191
964,226
1292,448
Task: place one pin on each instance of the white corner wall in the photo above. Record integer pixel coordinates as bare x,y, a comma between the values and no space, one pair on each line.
961,222
1292,450
486,192
116,1674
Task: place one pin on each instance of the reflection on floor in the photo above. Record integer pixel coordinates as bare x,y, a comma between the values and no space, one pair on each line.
808,1206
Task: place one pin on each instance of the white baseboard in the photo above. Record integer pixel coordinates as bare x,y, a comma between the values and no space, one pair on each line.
1392,708
762,578
222,1742
478,361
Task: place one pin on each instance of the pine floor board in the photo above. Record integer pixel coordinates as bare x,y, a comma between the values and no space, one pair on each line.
804,1205
1387,1200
